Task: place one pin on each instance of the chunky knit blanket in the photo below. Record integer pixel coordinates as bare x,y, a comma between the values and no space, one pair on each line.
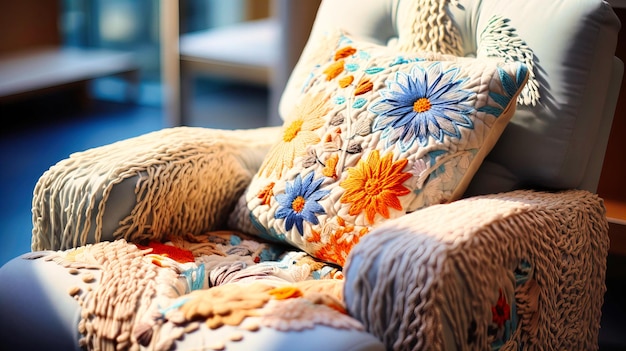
517,270
175,181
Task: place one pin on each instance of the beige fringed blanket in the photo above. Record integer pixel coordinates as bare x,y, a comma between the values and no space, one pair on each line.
176,181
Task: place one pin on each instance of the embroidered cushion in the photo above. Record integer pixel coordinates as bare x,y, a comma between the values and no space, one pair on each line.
375,134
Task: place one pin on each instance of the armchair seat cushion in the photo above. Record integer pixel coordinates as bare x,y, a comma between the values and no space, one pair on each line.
476,270
122,295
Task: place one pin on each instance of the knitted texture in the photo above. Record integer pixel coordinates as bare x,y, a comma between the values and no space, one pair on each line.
499,39
431,28
449,265
174,172
137,296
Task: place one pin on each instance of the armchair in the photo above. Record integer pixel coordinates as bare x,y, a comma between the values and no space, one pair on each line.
488,233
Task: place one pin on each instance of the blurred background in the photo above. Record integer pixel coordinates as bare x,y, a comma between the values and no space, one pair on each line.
77,74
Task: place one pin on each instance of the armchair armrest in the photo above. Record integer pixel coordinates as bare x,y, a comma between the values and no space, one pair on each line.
447,276
176,181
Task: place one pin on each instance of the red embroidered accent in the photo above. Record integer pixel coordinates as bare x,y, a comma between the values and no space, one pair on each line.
501,311
175,253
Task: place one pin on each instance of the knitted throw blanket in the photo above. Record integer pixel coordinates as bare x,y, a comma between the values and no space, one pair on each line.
184,181
524,267
431,28
149,297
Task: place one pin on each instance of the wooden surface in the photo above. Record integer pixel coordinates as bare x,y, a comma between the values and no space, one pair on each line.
25,24
27,71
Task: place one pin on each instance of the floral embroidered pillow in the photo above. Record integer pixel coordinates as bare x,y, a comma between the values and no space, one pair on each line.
374,135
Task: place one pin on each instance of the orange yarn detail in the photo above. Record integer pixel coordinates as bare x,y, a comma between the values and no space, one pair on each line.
334,251
334,70
374,186
331,165
344,52
292,130
266,193
175,253
346,81
315,237
422,105
285,292
338,245
298,204
363,87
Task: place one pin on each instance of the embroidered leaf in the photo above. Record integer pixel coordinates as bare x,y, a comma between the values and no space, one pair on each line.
337,120
344,52
496,111
374,70
310,159
500,39
333,70
507,83
352,67
501,100
364,127
360,102
398,61
364,55
339,100
354,148
346,81
522,71
331,166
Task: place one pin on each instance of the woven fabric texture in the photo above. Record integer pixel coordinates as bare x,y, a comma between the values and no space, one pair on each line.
185,181
446,265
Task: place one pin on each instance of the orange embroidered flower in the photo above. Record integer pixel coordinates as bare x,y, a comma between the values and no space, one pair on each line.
331,165
344,52
374,186
336,240
334,70
266,193
297,135
335,252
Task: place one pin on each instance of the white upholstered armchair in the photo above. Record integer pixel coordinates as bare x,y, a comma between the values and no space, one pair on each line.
432,188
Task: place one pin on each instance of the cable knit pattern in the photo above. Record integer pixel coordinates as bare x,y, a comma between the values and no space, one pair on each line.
445,265
174,170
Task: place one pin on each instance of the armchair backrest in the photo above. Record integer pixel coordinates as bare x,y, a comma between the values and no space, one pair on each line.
558,135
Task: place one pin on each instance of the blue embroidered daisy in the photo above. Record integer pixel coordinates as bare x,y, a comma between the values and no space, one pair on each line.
300,202
425,102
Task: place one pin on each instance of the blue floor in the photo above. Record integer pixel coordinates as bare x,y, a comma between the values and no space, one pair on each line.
48,133
43,137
